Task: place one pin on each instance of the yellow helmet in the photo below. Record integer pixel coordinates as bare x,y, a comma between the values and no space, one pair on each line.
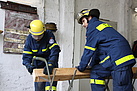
84,12
37,27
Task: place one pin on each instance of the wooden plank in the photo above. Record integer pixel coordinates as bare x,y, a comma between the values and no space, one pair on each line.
66,74
61,74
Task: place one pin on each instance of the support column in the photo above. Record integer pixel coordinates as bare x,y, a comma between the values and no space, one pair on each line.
66,35
125,19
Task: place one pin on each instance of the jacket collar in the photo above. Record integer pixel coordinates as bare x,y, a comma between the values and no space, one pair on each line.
93,20
91,24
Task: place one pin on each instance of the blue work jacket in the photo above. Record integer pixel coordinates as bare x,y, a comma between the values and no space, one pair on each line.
46,48
107,47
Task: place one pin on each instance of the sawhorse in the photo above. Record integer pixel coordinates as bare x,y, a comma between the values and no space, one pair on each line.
59,74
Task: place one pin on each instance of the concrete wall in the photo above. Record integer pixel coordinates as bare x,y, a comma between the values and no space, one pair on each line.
134,21
14,76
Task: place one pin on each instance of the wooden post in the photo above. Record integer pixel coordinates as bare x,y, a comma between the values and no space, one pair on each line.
61,74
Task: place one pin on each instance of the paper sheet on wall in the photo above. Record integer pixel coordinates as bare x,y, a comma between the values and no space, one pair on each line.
15,32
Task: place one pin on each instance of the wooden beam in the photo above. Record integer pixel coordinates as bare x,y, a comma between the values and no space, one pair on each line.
61,74
18,7
66,74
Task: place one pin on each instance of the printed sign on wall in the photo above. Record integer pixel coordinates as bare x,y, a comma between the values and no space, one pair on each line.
15,32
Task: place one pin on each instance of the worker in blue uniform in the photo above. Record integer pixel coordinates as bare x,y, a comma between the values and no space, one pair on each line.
109,52
41,43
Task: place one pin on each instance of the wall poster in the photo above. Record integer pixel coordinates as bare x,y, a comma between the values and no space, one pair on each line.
15,32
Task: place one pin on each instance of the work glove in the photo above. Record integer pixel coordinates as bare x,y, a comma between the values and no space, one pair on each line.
81,69
88,68
50,67
30,68
78,67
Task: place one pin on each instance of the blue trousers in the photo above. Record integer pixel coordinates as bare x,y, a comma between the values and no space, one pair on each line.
40,86
122,78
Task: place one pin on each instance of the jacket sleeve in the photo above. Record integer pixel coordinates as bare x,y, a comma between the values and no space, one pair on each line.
27,53
89,51
54,48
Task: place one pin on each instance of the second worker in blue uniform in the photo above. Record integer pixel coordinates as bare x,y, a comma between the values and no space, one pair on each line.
109,52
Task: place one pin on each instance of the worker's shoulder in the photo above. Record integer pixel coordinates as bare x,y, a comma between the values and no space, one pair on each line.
97,23
49,33
29,36
29,39
94,24
100,25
